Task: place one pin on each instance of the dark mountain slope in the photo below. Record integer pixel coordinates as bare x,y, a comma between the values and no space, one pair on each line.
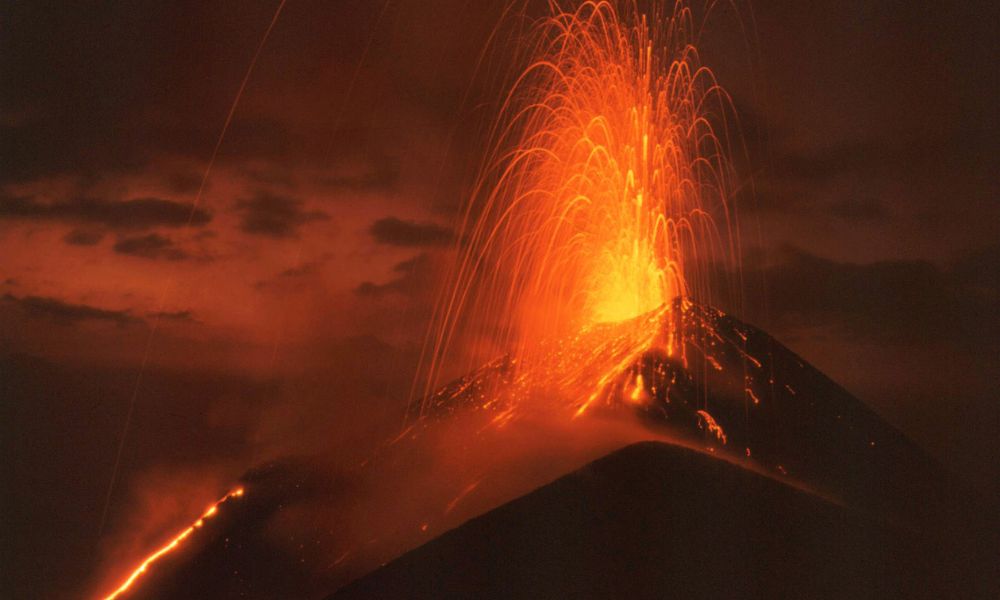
658,521
731,388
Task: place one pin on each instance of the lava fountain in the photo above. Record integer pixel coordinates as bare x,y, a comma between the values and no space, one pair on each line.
605,195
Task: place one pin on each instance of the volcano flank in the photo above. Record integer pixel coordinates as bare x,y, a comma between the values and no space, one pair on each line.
761,478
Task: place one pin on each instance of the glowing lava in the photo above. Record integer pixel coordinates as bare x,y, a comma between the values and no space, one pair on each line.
172,544
605,196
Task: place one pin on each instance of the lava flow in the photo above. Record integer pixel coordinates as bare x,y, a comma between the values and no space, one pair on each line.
606,195
172,544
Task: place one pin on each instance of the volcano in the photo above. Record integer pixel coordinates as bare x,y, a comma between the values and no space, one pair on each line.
766,479
729,388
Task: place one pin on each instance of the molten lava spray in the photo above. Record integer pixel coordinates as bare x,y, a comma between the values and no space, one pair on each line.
605,195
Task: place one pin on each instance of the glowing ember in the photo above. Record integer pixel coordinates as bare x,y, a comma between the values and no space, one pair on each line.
707,422
605,197
638,391
171,545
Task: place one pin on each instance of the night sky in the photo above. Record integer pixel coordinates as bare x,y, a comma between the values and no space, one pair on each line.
284,312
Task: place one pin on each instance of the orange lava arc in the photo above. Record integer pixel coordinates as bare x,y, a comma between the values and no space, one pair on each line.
172,544
606,191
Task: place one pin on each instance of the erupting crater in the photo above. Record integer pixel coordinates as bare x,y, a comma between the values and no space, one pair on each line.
722,386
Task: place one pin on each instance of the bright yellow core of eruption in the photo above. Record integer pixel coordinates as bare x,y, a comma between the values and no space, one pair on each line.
604,186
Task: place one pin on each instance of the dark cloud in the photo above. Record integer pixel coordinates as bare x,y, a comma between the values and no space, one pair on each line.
301,270
294,274
379,172
152,246
413,277
137,213
83,237
176,315
893,301
397,232
65,312
275,216
369,288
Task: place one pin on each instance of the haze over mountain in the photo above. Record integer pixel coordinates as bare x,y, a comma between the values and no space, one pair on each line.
767,478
